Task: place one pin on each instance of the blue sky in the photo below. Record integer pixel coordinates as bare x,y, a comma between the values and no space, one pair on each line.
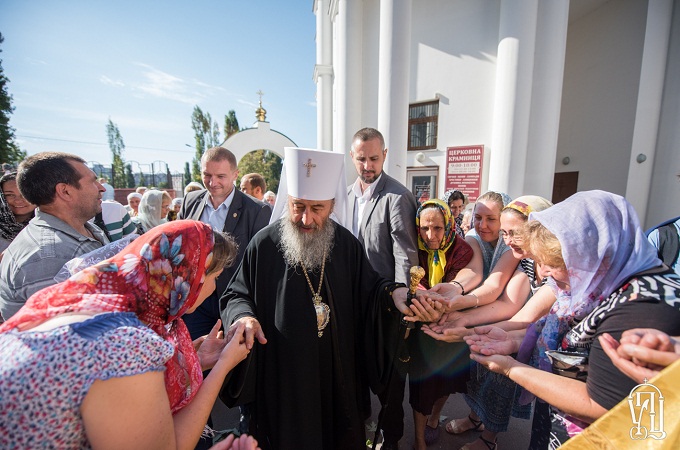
72,65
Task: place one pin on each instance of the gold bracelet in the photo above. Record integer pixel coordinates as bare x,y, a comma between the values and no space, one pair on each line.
476,298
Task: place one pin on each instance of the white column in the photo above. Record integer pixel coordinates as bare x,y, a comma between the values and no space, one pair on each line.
323,75
348,73
512,103
393,78
546,99
654,56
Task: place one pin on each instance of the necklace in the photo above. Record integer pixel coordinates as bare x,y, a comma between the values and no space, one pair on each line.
323,311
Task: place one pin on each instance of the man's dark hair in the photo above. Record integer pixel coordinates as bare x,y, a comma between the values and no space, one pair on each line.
39,174
256,180
368,134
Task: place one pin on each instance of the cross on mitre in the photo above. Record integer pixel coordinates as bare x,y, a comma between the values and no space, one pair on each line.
309,167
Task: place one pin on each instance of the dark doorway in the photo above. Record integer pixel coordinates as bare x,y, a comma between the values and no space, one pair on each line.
564,185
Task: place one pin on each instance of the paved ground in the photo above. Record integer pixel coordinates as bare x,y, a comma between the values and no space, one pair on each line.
517,436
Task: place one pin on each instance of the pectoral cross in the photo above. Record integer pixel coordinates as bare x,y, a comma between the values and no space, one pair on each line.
309,167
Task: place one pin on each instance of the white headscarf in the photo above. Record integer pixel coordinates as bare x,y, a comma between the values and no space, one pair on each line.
150,209
602,243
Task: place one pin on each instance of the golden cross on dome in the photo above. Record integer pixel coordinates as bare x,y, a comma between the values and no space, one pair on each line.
309,167
260,93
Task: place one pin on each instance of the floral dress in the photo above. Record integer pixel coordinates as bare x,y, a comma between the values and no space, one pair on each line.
56,368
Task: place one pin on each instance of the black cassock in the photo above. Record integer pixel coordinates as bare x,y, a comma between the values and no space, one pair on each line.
310,392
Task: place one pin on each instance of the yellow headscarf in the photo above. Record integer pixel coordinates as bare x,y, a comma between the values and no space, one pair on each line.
436,259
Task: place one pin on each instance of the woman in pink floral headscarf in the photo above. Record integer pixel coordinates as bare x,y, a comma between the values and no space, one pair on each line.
104,357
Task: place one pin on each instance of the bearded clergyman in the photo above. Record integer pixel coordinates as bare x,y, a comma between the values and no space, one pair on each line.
315,311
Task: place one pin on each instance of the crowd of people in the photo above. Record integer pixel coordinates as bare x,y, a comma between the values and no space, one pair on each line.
294,306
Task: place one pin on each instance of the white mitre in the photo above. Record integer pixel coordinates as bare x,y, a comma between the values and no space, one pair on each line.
311,174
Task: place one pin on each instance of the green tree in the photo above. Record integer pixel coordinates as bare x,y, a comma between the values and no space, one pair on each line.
9,149
117,147
264,162
206,134
230,124
129,176
187,174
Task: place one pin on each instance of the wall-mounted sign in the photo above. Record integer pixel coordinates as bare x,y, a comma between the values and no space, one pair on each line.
464,170
423,182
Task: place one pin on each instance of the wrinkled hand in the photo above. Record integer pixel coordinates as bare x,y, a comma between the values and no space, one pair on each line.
209,347
251,330
446,333
421,309
495,363
231,442
488,340
425,309
642,352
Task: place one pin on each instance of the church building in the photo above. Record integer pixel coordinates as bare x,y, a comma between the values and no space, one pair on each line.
521,96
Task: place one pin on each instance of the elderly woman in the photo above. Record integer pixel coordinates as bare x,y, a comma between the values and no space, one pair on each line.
175,206
591,245
193,186
104,358
133,200
492,398
15,211
152,210
437,369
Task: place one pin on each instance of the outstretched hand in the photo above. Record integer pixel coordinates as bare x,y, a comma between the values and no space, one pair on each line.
447,294
448,332
495,363
489,340
236,349
642,352
209,347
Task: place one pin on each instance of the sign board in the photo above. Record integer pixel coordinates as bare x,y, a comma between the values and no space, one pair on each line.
464,170
423,182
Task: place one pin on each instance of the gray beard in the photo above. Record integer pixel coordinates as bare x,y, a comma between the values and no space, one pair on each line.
308,249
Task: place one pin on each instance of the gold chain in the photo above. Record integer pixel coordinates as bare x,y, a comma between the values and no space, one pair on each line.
317,294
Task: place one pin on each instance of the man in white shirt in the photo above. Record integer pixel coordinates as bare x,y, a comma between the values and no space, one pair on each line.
227,209
384,220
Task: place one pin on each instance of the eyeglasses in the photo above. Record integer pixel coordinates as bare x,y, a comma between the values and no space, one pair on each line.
511,235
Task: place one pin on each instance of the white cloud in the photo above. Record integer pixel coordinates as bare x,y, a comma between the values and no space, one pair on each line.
35,62
164,85
109,82
247,103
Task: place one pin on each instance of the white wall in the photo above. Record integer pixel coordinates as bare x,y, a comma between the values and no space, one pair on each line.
664,198
599,97
454,54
